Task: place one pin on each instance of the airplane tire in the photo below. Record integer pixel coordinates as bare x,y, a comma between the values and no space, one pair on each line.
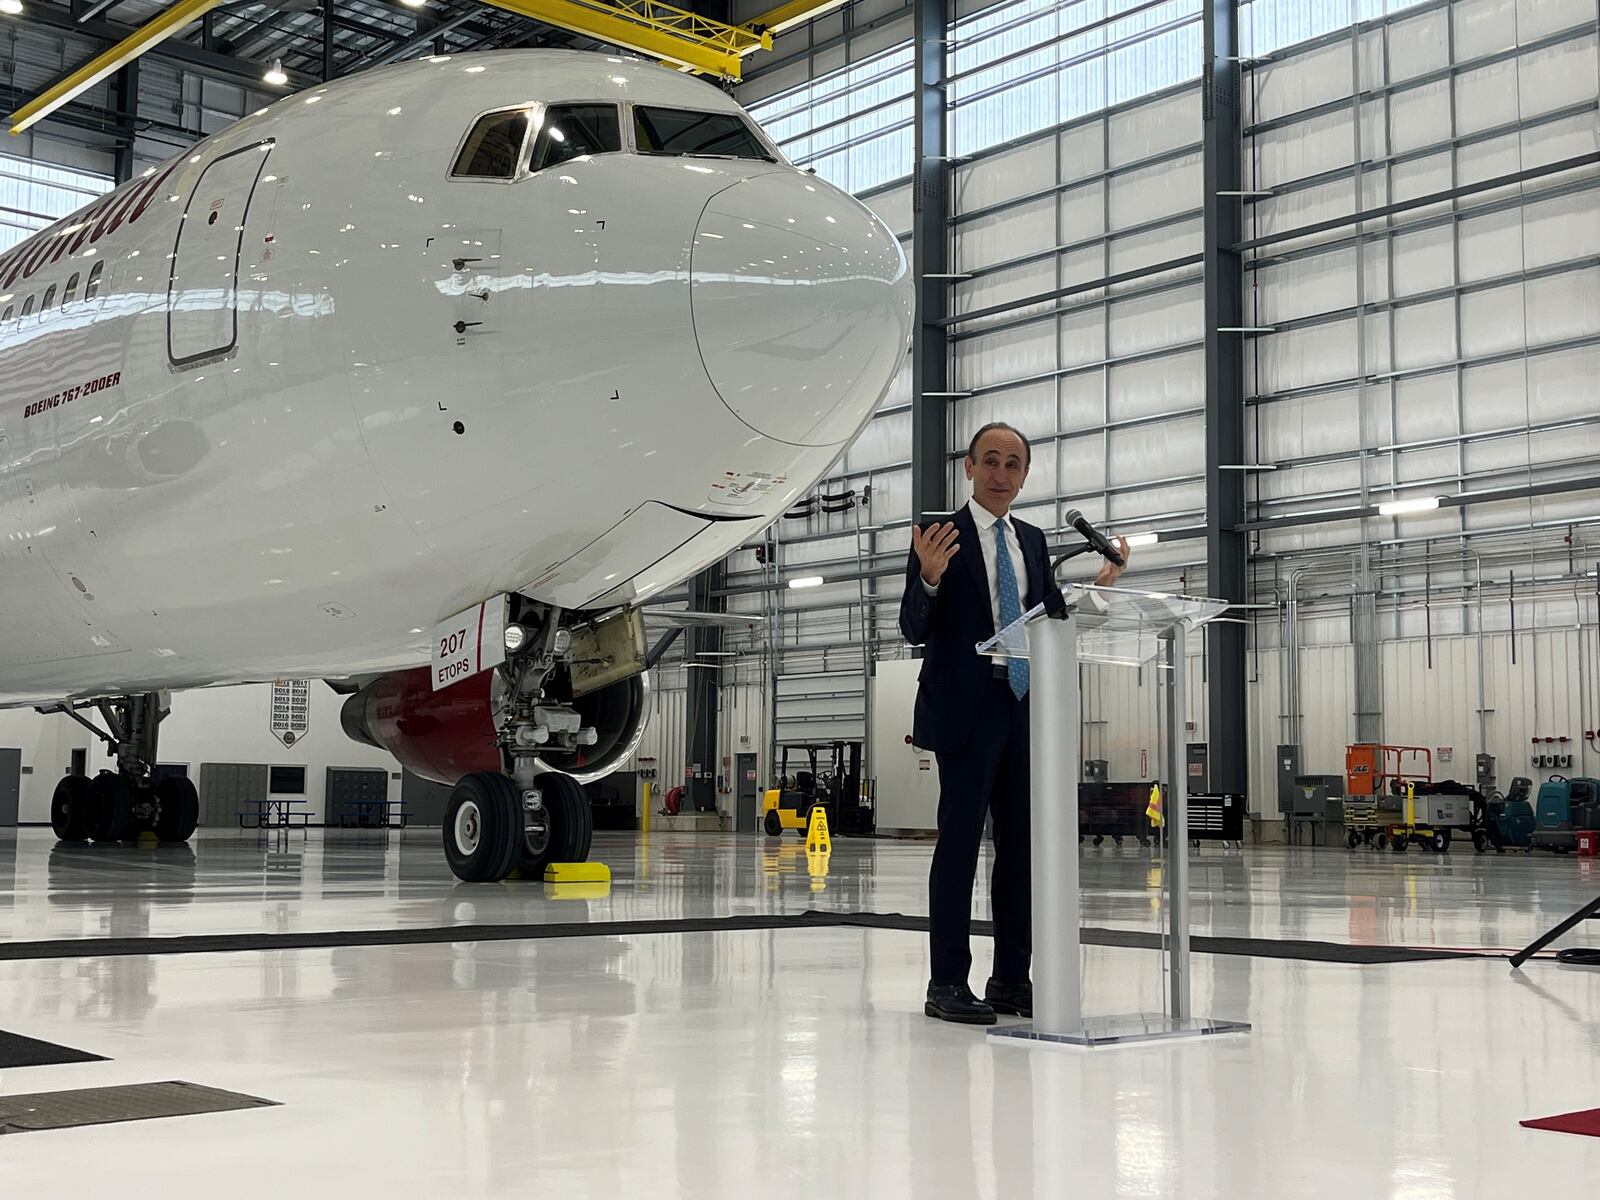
110,802
483,827
177,809
571,826
69,809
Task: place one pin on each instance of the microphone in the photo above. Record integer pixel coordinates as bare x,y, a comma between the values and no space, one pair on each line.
1097,540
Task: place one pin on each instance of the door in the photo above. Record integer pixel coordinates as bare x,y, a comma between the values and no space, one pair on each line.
747,788
203,292
10,786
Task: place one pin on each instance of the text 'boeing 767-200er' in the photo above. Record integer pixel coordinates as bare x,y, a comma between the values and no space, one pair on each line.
423,380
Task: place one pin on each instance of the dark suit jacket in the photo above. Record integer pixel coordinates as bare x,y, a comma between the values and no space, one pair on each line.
950,625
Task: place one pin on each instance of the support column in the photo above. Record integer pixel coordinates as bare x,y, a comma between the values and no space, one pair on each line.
327,40
125,91
930,260
704,683
1227,545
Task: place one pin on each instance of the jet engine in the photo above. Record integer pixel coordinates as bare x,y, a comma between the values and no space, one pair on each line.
446,734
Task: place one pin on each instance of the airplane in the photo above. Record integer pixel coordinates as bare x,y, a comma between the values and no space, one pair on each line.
421,382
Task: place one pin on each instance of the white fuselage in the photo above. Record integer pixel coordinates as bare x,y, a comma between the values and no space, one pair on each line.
327,394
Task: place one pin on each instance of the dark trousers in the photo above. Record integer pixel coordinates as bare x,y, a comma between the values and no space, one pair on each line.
990,775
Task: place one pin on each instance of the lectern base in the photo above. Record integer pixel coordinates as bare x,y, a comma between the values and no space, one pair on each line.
1120,1030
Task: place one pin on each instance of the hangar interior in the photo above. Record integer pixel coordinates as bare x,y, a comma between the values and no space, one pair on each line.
1335,365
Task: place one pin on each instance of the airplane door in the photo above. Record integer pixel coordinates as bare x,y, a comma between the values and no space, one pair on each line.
203,293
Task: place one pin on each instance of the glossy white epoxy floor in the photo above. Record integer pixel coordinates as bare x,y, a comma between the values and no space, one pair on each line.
790,1062
233,882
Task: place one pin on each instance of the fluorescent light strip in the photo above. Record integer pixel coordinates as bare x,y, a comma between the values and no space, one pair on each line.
1415,504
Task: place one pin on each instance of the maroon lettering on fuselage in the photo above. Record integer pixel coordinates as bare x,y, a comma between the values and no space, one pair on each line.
106,215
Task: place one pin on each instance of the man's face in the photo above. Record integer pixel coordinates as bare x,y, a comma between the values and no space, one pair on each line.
998,472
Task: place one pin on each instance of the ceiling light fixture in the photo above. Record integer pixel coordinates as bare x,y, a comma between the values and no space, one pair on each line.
1141,539
807,581
275,74
1416,504
11,8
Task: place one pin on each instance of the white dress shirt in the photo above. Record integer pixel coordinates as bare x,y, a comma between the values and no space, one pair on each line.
985,521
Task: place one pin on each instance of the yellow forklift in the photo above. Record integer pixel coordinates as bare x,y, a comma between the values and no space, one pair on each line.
837,789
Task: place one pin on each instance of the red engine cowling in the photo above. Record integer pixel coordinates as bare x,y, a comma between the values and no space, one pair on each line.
437,735
447,734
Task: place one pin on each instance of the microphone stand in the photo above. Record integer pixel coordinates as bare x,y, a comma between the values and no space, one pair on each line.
1054,602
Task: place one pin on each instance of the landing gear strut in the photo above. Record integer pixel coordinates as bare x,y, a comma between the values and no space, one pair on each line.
528,816
120,805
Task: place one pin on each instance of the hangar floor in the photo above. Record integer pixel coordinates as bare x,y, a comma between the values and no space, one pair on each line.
787,1061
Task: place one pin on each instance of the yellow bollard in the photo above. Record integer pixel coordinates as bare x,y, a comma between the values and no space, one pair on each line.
644,819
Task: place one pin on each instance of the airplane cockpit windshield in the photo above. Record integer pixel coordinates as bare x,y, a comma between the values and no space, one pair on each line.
695,134
573,130
497,147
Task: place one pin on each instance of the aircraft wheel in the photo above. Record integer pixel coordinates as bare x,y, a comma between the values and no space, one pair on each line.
69,809
110,804
569,826
177,809
483,827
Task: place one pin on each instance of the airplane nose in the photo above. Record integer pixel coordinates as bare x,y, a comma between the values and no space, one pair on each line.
802,306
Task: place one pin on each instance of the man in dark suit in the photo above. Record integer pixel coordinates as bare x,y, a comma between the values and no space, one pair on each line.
967,576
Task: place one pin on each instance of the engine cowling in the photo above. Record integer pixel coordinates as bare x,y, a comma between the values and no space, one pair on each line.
447,734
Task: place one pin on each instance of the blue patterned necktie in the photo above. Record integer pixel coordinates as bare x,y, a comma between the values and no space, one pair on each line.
1010,605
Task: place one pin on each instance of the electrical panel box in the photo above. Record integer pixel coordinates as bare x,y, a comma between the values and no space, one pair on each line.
1096,770
1485,772
1199,767
1289,794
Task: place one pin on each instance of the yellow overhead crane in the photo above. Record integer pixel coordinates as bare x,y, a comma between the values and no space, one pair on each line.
675,36
157,29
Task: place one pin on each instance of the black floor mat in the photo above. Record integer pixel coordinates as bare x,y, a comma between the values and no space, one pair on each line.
19,1051
247,942
110,1105
1133,939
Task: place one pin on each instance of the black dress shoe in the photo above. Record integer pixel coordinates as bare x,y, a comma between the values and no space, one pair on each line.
955,1002
1013,999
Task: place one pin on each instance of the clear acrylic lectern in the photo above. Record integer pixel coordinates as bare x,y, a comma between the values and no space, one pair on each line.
1120,627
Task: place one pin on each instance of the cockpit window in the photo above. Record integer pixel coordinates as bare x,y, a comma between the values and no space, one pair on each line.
697,134
573,130
493,147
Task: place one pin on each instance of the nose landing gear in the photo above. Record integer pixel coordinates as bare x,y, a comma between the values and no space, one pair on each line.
528,816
